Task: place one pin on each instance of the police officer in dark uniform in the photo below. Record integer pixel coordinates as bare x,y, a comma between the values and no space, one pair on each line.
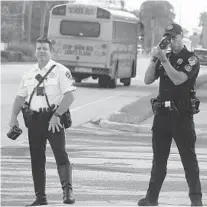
173,109
44,121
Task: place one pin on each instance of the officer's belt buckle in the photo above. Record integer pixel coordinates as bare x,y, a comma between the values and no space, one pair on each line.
167,104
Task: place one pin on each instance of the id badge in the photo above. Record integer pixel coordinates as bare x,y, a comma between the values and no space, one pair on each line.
40,91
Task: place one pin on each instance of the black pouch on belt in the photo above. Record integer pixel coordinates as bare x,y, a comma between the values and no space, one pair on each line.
156,105
195,103
66,119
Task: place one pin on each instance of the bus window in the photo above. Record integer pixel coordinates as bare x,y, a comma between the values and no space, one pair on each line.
80,28
125,31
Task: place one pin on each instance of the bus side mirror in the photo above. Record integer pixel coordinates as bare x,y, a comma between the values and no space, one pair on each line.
141,37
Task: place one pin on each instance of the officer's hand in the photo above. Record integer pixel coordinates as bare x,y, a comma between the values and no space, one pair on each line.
54,124
13,122
162,53
155,52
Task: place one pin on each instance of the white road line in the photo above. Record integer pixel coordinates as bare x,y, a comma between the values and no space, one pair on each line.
91,103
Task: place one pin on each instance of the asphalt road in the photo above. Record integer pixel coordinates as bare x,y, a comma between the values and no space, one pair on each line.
109,168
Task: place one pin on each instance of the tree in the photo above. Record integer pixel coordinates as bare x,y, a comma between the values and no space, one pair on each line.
195,38
185,32
156,16
203,24
11,21
26,20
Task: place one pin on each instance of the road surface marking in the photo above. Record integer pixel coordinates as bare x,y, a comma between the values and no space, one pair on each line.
91,103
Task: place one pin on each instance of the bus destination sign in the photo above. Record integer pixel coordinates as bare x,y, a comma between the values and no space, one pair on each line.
81,10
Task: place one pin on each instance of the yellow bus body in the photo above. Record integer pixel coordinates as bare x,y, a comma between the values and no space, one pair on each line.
95,41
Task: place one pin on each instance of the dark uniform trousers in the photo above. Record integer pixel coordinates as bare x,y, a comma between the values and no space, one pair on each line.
38,134
166,127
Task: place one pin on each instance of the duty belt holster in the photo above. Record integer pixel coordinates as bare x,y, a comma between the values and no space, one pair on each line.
158,107
195,103
66,119
26,111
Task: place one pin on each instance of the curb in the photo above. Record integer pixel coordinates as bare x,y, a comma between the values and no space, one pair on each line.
125,127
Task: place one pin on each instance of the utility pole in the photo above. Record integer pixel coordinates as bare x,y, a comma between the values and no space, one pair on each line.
29,22
180,12
153,31
43,7
23,19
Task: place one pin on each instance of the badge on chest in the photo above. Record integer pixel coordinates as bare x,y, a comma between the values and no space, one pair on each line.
179,61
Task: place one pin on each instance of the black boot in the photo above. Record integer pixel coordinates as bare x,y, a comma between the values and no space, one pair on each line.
68,196
39,179
151,199
196,199
65,174
40,201
196,203
147,202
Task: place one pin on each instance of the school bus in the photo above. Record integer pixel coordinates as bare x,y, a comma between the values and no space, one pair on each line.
95,41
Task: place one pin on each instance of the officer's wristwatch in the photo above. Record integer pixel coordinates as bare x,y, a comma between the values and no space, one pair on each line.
56,114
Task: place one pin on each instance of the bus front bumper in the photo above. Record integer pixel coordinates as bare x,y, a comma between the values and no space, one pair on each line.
92,71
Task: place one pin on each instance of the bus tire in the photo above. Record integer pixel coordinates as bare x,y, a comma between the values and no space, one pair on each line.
78,80
113,82
133,69
126,81
103,81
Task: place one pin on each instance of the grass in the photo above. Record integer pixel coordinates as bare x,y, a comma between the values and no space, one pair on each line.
135,112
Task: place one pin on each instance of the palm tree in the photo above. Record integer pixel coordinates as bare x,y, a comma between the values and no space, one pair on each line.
156,16
203,24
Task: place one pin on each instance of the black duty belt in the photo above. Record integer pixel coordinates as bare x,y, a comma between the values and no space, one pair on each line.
47,109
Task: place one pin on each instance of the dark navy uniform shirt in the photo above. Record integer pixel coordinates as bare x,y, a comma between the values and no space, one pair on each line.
184,61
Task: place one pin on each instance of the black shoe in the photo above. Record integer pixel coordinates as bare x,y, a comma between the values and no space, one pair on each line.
39,202
68,196
147,202
197,203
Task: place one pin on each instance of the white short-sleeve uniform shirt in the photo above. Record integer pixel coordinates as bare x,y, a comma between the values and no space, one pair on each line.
58,82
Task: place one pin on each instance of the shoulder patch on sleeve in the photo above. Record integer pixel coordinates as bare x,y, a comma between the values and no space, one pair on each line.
192,60
188,68
68,75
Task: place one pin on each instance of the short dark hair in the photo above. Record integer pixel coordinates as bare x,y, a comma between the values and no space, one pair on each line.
45,39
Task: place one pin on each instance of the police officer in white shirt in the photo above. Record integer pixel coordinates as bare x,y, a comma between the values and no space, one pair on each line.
56,90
